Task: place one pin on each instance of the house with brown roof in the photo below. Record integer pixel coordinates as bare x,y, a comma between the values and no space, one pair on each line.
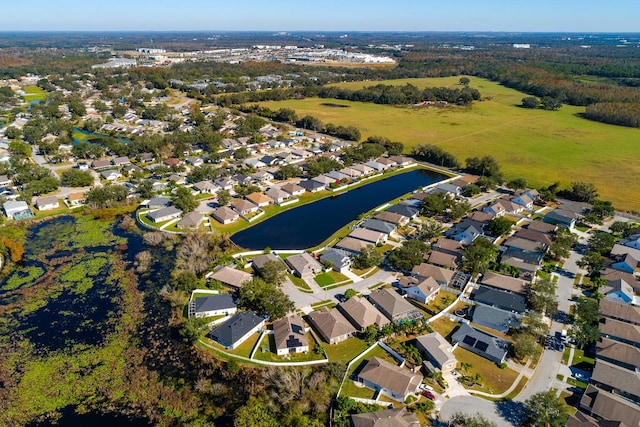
448,246
438,353
541,226
231,277
393,218
424,291
293,189
620,311
533,235
205,187
259,199
191,220
277,195
75,199
101,164
172,161
505,283
625,355
331,325
620,331
583,420
395,307
609,406
244,207
616,379
402,160
361,313
442,275
47,203
304,265
370,236
391,380
441,259
352,245
225,215
290,336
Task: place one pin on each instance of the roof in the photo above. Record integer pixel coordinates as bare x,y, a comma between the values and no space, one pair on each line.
396,417
448,245
541,226
391,217
289,332
561,215
214,302
437,348
481,341
48,200
393,378
236,327
404,210
362,313
192,219
259,261
303,263
355,245
483,315
259,198
224,213
377,225
330,323
310,185
204,185
619,310
441,259
533,235
13,205
337,257
610,406
524,244
582,420
292,188
231,277
618,351
367,235
390,302
621,330
164,212
159,201
75,196
243,205
277,194
502,299
506,283
617,377
442,275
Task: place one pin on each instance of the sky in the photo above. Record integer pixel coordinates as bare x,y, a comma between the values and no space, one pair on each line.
322,15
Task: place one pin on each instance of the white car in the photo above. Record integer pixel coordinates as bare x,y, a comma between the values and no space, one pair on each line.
426,388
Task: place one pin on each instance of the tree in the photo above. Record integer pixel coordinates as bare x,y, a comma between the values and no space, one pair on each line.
464,81
265,298
479,255
471,190
255,413
517,184
458,209
485,166
223,197
350,293
241,153
601,242
273,272
184,200
410,254
524,345
20,148
434,204
545,409
585,330
13,132
542,296
500,226
368,257
602,209
581,192
463,420
430,230
530,102
191,329
76,178
561,246
289,171
593,262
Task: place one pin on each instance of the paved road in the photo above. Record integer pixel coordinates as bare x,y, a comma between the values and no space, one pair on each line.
504,414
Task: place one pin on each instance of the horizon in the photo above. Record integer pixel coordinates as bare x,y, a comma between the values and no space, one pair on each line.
544,16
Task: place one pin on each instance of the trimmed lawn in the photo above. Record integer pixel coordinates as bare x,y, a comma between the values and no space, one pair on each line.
542,146
245,348
34,93
345,351
444,326
496,380
580,361
267,345
337,276
324,279
440,302
349,388
299,283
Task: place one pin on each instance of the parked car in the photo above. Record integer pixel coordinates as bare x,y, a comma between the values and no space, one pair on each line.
426,387
428,395
443,383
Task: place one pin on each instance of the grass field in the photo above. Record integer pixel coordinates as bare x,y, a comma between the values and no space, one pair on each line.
34,93
542,146
496,380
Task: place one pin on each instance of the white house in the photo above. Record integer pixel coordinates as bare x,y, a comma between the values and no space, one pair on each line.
214,305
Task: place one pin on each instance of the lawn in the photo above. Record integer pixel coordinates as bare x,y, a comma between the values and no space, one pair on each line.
444,326
324,279
34,93
440,302
543,146
299,283
345,351
496,380
267,344
580,361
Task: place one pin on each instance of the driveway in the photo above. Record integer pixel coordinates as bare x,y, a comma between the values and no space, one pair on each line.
504,414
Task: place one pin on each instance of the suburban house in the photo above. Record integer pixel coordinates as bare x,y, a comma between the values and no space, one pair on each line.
609,406
535,236
194,161
437,352
75,199
394,417
542,227
352,245
620,331
277,195
525,245
304,265
393,218
225,215
293,189
404,210
362,168
450,190
231,277
618,290
369,236
172,161
441,275
5,180
361,313
191,220
633,241
290,336
617,380
467,235
259,199
423,291
47,203
226,183
402,160
392,305
523,200
377,166
111,175
205,187
158,202
562,218
121,161
507,301
392,381
620,311
310,185
244,207
260,261
495,318
340,260
379,226
16,210
214,305
350,172
441,259
626,263
481,343
624,355
101,164
332,326
238,329
448,246
164,214
504,283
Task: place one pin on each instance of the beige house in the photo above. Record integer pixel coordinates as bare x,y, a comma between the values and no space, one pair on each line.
437,352
290,336
332,326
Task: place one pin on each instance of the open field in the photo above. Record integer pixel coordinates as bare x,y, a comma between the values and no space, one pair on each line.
542,146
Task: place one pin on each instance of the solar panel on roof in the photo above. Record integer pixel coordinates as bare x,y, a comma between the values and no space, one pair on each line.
482,346
469,340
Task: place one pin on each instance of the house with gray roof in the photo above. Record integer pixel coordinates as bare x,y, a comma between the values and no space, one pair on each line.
225,215
495,318
395,417
391,380
616,379
340,260
393,218
507,301
361,313
404,210
311,186
331,325
16,210
437,352
362,168
164,214
304,265
620,331
191,220
504,283
627,263
441,259
525,245
238,329
244,207
277,195
561,218
290,336
423,291
214,305
441,275
293,189
260,261
395,307
205,187
47,203
352,245
620,311
159,202
379,226
618,353
481,343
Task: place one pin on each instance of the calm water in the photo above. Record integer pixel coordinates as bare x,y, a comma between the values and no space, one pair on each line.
311,224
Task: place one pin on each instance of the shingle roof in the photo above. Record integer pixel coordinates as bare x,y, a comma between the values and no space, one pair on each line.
441,275
481,341
362,313
330,324
506,283
620,352
618,310
500,299
484,315
621,330
396,417
377,225
390,302
436,347
611,406
394,378
214,302
236,327
366,235
617,377
231,277
404,210
289,332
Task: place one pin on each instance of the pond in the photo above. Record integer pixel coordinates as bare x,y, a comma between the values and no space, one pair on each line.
86,136
311,224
